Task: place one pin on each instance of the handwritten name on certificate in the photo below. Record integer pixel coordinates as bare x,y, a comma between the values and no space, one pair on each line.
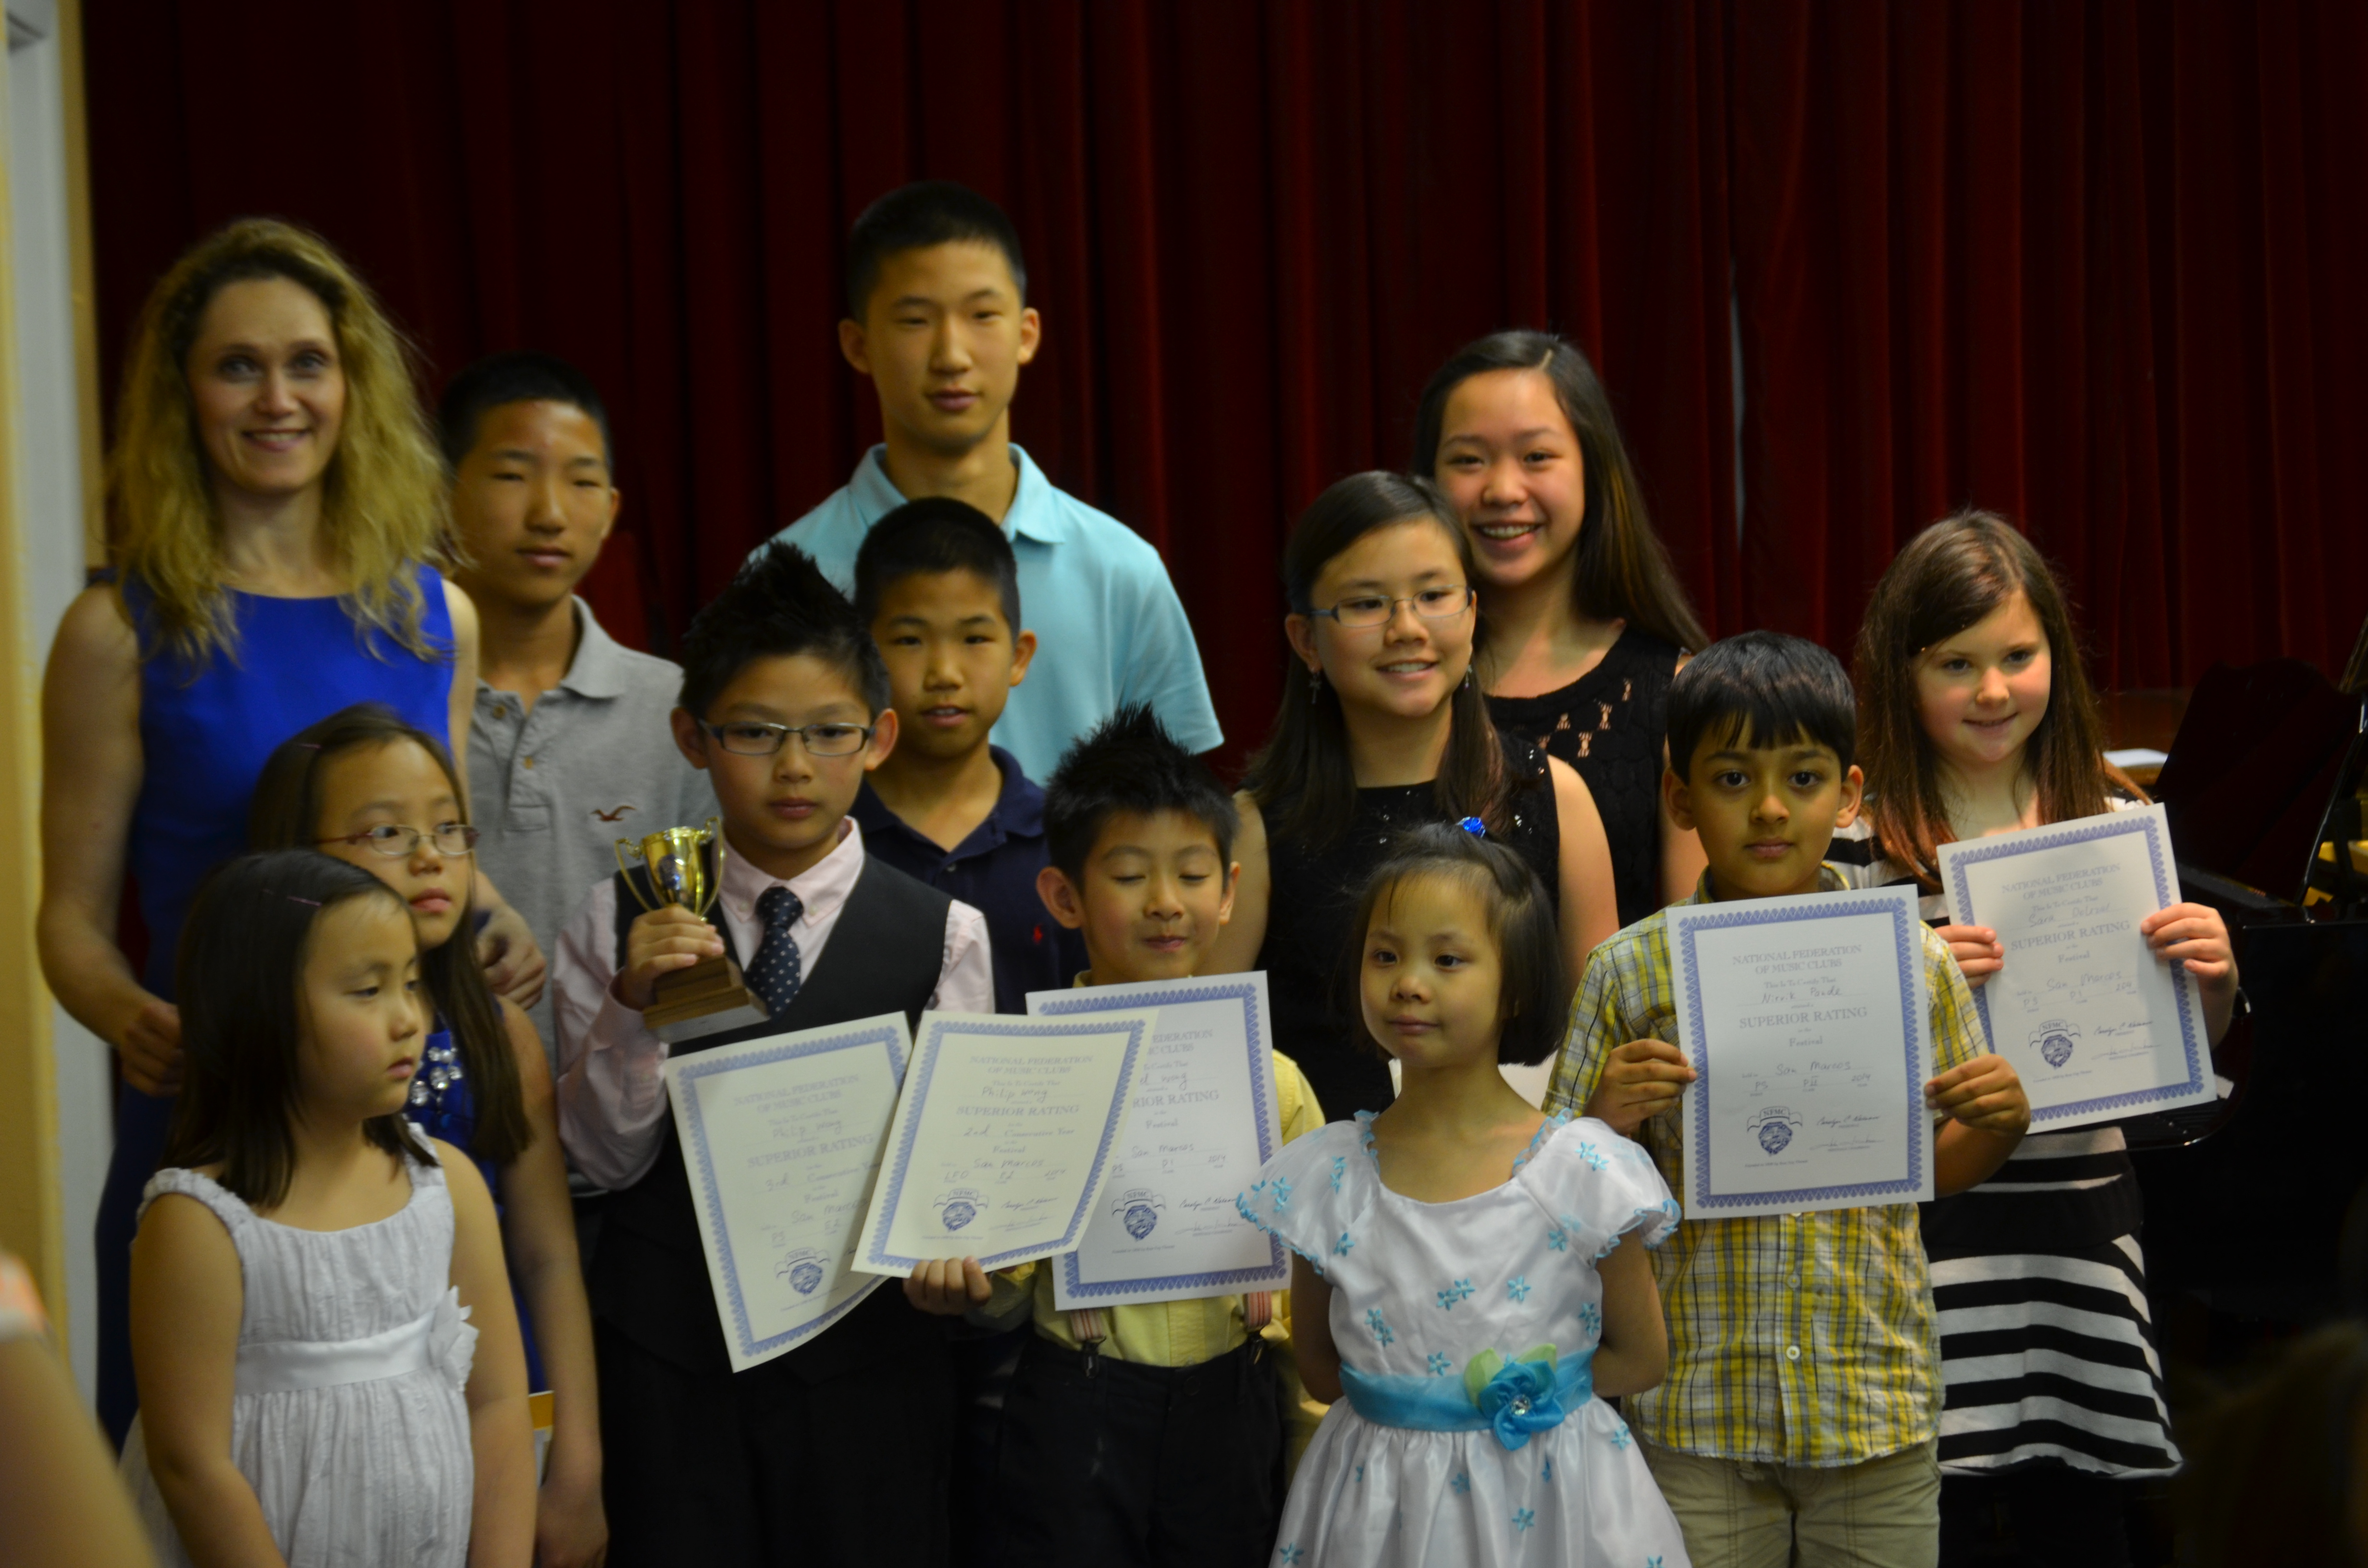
1203,1120
1004,1138
2095,1023
1806,1018
782,1139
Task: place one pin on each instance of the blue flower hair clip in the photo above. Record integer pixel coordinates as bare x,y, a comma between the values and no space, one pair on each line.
1474,826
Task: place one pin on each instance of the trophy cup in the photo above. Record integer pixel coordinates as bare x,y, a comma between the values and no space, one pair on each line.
710,996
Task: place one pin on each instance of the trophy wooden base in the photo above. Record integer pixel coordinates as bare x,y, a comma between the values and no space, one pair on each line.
706,998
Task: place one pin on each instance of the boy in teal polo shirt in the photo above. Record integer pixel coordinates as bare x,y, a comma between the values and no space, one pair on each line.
938,318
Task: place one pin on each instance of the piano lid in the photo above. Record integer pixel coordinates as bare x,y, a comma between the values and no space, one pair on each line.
2261,757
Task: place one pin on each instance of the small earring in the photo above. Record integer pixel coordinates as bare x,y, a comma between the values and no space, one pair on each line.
1314,686
1467,678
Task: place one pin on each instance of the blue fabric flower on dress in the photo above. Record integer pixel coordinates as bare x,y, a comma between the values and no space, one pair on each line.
1557,1238
1524,1517
1620,1438
1382,1334
1547,1474
1452,1295
1342,1246
1438,1362
1281,1195
1593,1155
1517,1288
1517,1397
1460,1483
1590,1318
1339,1165
1291,1552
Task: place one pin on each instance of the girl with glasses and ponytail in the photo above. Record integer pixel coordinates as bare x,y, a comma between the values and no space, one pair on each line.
1384,727
374,792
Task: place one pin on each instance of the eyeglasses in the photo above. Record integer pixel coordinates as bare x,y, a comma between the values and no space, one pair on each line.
1365,611
393,840
764,740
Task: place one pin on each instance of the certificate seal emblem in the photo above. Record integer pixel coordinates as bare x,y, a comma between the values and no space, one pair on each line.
1138,1209
803,1270
2053,1040
959,1208
1775,1126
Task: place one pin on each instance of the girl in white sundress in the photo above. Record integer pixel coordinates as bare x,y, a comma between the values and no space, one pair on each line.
1471,1276
310,1390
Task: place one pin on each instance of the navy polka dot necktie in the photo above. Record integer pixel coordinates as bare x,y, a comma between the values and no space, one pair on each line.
779,968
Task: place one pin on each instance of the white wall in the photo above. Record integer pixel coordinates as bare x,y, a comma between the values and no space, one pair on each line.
51,500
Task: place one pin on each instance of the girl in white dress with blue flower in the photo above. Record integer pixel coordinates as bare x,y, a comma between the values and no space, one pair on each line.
1470,1280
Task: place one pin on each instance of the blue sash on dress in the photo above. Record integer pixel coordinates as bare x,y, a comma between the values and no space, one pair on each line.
1513,1399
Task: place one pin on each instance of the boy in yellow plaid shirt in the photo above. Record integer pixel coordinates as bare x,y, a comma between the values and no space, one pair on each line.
1798,1423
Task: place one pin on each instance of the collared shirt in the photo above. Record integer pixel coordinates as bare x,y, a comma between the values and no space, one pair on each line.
612,1098
993,871
1802,1339
552,790
1109,627
1165,1333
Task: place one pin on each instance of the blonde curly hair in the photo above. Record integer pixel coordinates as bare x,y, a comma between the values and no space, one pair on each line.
384,508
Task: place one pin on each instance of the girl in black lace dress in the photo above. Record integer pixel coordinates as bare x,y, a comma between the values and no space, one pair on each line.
1588,623
1384,728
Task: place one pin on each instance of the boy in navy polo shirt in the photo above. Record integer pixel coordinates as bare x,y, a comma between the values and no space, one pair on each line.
936,584
938,319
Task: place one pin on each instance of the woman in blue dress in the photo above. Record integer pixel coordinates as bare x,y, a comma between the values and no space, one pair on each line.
281,513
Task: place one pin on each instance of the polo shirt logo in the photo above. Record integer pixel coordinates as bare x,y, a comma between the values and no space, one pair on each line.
617,815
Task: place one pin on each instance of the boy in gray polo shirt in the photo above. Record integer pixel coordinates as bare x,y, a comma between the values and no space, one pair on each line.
570,748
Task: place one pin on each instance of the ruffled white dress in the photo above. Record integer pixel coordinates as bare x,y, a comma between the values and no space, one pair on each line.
1423,1291
348,1419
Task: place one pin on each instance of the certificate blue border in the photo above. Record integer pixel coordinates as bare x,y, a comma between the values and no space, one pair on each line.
688,1075
1907,938
1118,999
2191,1038
924,1054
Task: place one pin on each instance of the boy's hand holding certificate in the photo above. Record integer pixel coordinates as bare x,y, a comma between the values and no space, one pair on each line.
1804,1020
2097,1025
1004,1139
1203,1120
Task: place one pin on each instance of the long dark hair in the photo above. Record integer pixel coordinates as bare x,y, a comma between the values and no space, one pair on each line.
1622,570
1946,578
238,978
286,813
1302,779
1533,995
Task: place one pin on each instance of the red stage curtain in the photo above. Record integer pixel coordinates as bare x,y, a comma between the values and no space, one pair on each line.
2096,267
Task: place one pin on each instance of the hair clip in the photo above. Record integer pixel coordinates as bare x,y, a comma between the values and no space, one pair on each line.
1474,826
292,898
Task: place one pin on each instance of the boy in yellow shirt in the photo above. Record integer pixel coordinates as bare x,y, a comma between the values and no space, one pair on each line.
1145,1434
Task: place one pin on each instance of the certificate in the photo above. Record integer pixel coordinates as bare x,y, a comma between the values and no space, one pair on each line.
1003,1139
1805,1020
2095,1023
782,1139
1203,1120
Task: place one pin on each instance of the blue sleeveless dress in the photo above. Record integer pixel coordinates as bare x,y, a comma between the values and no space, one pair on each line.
443,1104
205,730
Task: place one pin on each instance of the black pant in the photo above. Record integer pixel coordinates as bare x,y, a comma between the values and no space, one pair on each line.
762,1468
2043,1516
1109,1463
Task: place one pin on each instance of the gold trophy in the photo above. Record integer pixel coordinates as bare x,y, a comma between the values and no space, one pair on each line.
710,996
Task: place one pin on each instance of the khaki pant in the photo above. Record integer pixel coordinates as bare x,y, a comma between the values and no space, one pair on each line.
1885,1512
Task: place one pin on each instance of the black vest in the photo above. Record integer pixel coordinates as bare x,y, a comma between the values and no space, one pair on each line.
649,1276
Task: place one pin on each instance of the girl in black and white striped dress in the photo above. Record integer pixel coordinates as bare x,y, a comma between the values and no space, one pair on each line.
1976,718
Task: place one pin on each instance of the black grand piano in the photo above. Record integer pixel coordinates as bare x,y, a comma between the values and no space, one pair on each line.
2257,1208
